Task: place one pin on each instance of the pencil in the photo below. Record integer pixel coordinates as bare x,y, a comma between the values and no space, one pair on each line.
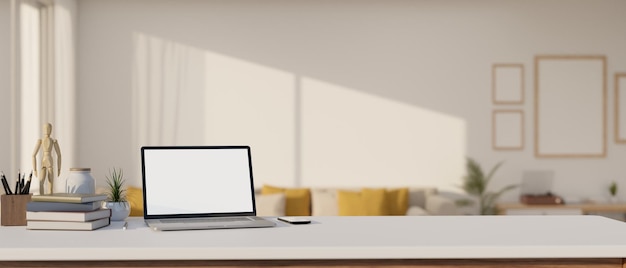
27,187
5,184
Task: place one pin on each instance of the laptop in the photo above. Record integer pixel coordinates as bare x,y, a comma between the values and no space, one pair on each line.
537,182
198,187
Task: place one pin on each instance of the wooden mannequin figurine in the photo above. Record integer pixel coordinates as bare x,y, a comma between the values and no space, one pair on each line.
47,168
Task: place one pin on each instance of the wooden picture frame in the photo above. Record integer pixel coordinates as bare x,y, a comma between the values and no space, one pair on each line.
570,106
507,83
507,130
620,107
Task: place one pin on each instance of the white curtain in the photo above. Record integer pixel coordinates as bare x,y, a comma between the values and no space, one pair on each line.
167,92
45,71
65,94
28,93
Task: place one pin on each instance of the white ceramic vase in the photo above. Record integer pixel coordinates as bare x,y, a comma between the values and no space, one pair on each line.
119,210
80,181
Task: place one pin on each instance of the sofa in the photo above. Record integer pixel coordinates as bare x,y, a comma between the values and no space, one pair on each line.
336,201
278,201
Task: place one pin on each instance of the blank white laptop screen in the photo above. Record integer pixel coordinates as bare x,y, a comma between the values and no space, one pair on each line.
197,181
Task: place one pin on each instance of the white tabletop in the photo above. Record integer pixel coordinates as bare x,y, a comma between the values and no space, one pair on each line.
395,237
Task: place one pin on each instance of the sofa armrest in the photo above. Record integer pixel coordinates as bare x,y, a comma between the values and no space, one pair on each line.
440,205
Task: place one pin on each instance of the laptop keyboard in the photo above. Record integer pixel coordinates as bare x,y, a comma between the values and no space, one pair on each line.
205,220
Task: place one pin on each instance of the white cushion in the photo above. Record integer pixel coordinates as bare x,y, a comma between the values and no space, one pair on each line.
439,205
417,195
416,211
270,204
324,202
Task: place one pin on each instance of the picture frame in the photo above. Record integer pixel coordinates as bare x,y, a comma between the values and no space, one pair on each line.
507,83
570,106
620,107
508,129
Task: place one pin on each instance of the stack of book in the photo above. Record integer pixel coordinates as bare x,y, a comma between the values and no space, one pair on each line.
63,211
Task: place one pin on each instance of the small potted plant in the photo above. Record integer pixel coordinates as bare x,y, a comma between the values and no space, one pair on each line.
613,191
475,183
116,201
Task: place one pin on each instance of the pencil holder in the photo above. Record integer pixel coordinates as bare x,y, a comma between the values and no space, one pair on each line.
13,209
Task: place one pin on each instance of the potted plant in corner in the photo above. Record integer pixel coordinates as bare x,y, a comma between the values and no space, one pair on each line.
116,201
475,183
613,191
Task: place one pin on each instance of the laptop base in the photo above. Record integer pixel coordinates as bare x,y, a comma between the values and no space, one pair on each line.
179,224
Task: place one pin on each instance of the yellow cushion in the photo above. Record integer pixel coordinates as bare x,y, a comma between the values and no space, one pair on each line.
375,201
367,202
398,200
297,200
350,203
134,196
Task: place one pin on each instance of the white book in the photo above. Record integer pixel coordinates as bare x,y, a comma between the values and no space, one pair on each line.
80,216
68,225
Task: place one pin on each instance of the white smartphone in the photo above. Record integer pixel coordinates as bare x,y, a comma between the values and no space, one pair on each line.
295,220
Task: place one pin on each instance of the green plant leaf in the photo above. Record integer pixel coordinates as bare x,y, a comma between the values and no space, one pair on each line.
464,202
613,188
474,182
506,189
115,181
492,172
490,198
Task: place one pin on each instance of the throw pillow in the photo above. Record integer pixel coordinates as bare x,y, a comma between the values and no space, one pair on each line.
134,196
297,200
375,201
416,211
324,202
417,196
270,204
367,202
398,200
350,203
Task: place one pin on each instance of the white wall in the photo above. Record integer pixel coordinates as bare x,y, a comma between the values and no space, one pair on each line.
5,85
431,59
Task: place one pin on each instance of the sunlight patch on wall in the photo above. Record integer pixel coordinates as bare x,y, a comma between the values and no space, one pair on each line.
302,131
251,104
352,138
184,95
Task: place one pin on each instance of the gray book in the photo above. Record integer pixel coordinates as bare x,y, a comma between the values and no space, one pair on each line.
60,206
